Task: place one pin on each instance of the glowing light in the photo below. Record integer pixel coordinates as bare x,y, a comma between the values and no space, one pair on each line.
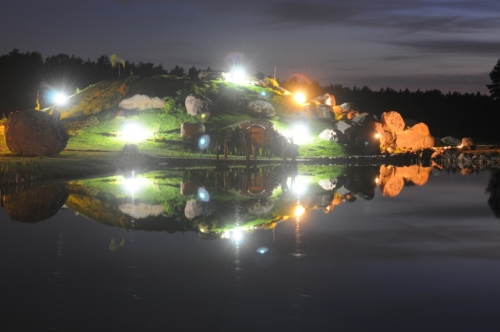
204,142
203,194
237,235
262,250
376,180
263,93
300,185
300,134
299,211
237,75
299,97
133,184
377,135
60,98
134,133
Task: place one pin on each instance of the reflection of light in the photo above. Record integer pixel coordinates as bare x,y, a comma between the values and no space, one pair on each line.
203,194
262,250
237,235
376,180
204,142
263,93
299,186
299,210
299,97
377,135
134,184
134,133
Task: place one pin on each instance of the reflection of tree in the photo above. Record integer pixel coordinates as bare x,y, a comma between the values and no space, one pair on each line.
494,190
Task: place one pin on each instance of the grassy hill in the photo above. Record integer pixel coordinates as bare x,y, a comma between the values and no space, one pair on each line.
95,122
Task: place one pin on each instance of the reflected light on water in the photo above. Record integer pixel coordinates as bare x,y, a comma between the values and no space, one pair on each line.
133,184
299,211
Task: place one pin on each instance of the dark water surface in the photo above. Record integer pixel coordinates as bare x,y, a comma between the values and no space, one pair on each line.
427,259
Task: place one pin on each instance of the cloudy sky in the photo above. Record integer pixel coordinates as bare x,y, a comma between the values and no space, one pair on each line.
440,44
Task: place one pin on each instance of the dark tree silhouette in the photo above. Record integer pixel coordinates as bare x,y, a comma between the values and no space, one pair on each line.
494,190
495,80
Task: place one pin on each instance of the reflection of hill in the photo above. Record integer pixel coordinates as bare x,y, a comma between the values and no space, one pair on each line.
35,204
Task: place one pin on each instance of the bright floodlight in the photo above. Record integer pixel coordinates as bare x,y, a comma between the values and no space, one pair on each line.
134,133
60,98
133,184
204,142
237,235
300,134
300,98
237,75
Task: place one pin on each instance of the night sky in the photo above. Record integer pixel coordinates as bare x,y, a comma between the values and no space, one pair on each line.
438,44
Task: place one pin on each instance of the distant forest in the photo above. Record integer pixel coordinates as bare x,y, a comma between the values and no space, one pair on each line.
447,114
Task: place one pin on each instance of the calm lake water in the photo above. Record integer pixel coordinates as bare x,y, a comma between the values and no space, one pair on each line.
238,251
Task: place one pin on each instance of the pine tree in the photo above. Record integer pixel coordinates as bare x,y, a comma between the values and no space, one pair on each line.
495,79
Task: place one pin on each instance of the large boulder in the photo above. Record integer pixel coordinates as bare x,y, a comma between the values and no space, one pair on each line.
326,99
417,137
141,210
197,105
392,122
451,141
192,130
328,135
468,143
261,108
142,102
35,133
35,204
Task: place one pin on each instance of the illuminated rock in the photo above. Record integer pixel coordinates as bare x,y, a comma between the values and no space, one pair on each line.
326,99
142,102
328,135
450,141
35,204
318,111
192,130
392,122
35,133
261,108
328,184
468,143
197,105
392,179
417,137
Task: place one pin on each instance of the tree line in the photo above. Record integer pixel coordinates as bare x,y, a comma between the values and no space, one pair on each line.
446,114
22,75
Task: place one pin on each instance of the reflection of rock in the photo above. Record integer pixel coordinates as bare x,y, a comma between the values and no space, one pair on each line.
328,184
190,187
192,130
392,179
35,133
260,207
141,210
35,204
196,208
142,102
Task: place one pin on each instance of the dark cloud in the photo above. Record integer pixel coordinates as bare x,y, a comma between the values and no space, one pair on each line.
460,46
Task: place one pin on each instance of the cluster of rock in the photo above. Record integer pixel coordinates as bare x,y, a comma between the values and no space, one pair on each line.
466,162
325,107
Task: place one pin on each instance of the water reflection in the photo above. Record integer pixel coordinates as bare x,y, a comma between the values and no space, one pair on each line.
219,204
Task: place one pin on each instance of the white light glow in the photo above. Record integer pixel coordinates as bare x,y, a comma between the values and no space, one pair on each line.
299,186
133,133
237,75
60,98
299,97
299,211
133,184
237,235
300,134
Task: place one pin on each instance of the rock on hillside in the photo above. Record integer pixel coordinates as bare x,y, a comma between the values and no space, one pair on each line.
35,133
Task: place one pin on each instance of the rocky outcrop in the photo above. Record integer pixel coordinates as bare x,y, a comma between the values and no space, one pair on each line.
35,133
468,143
416,138
261,108
326,99
192,130
142,102
35,204
197,105
318,111
328,135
